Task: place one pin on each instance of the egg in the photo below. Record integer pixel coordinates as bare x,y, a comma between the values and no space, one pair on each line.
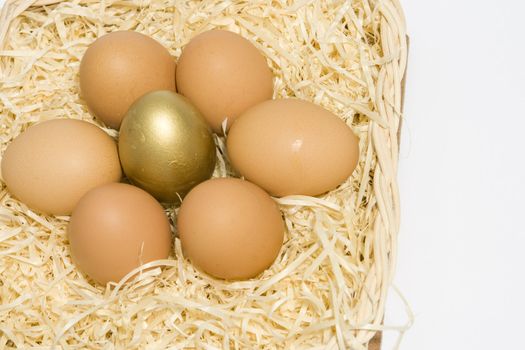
230,228
116,228
223,74
292,147
165,146
120,67
54,163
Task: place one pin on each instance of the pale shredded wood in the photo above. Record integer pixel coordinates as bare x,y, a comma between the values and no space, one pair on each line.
328,286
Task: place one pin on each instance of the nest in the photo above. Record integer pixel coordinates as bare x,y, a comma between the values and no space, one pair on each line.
328,286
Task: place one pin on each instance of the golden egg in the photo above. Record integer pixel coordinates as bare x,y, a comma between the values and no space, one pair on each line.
166,146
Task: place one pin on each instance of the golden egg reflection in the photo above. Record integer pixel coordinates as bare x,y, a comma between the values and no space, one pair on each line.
165,146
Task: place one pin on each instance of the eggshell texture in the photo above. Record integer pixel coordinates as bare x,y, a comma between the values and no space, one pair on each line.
223,74
230,228
54,163
290,146
120,67
116,228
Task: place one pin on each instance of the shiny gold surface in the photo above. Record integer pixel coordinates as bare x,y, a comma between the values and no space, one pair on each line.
165,146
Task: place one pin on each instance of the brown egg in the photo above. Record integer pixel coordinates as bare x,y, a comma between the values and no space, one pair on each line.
116,228
230,228
223,74
291,146
120,67
54,163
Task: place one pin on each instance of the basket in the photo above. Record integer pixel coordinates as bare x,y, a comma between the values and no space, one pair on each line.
327,288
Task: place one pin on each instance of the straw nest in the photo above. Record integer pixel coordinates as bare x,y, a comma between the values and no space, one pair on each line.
328,286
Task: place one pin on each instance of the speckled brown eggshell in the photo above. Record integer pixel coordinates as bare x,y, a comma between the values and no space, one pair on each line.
223,74
120,67
292,147
53,164
230,228
116,228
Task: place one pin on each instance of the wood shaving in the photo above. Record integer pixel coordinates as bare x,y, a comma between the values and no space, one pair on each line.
328,286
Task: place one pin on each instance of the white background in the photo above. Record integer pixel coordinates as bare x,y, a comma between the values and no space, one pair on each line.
462,176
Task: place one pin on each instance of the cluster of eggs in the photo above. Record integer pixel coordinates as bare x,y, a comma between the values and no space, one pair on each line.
166,114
